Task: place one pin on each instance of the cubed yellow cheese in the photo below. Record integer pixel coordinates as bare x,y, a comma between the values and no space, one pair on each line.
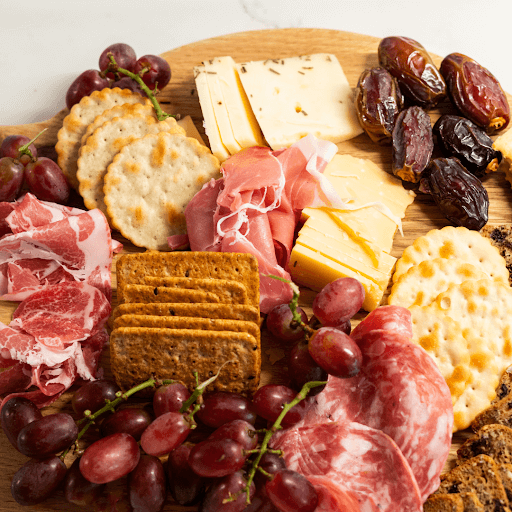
297,96
210,123
245,128
312,269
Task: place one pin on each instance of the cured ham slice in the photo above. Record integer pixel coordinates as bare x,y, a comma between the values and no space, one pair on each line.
255,207
399,391
362,461
332,498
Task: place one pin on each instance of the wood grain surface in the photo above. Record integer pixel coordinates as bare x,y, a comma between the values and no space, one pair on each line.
355,53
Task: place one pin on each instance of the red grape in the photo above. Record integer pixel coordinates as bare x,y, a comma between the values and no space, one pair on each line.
146,485
271,463
338,301
12,143
128,83
16,413
290,491
37,479
84,85
280,323
124,56
110,458
186,487
240,431
46,181
225,489
303,368
260,503
93,395
51,434
269,400
170,398
159,73
131,421
11,178
220,407
337,353
216,457
78,490
165,433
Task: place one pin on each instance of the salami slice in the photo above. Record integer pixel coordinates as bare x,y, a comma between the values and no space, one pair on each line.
400,392
332,498
359,459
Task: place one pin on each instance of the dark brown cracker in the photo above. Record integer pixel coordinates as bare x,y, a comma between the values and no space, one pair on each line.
444,503
133,268
137,353
500,236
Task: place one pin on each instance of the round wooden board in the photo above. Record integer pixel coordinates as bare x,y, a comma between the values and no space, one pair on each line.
355,53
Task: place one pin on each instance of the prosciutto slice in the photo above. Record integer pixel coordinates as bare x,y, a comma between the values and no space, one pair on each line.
362,461
256,206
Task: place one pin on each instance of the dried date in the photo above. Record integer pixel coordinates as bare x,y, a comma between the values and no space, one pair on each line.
409,62
459,195
413,143
475,92
460,137
378,102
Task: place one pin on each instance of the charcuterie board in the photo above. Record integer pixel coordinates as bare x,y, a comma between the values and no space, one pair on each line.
355,53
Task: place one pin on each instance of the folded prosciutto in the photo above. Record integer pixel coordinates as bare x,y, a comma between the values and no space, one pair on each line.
57,261
256,206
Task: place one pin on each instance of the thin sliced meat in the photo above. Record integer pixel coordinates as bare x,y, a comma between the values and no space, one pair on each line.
399,391
61,314
333,498
359,459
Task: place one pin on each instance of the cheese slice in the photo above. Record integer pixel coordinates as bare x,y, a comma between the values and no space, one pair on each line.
190,129
246,130
221,112
311,268
297,96
210,123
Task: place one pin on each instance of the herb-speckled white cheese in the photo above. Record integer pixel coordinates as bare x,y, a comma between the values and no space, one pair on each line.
297,96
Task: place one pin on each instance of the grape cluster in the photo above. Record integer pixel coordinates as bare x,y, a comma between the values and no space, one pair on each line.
154,71
322,345
228,459
20,165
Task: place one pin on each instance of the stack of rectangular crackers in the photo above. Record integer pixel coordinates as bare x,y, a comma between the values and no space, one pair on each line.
185,312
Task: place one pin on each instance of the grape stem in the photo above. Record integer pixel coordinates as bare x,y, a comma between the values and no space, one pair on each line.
160,114
301,395
24,150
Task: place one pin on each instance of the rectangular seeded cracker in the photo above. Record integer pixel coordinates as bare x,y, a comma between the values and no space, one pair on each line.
227,311
137,353
227,290
241,267
147,293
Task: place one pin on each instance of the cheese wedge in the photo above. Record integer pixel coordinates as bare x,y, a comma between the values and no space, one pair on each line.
296,96
245,128
210,124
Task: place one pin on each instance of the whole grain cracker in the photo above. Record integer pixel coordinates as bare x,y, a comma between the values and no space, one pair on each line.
137,353
151,181
442,338
199,310
483,308
454,242
228,291
500,236
147,293
422,283
79,118
105,143
242,267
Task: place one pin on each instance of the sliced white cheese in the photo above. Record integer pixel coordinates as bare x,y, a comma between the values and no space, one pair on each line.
210,123
246,130
296,96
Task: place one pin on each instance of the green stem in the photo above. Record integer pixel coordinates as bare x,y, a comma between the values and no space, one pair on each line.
160,114
24,150
301,395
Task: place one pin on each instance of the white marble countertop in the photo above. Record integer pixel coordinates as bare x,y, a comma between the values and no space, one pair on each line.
45,45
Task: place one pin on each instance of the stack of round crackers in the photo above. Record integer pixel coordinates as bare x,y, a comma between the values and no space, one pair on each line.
456,285
140,172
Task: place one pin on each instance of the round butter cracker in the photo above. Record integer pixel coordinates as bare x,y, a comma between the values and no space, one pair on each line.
79,118
454,243
149,184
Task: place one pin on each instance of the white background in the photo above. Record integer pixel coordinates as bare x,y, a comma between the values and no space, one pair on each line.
45,44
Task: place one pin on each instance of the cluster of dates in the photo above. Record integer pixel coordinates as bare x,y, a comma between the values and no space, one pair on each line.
392,102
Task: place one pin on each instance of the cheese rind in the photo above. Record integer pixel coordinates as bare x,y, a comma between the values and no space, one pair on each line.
297,96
